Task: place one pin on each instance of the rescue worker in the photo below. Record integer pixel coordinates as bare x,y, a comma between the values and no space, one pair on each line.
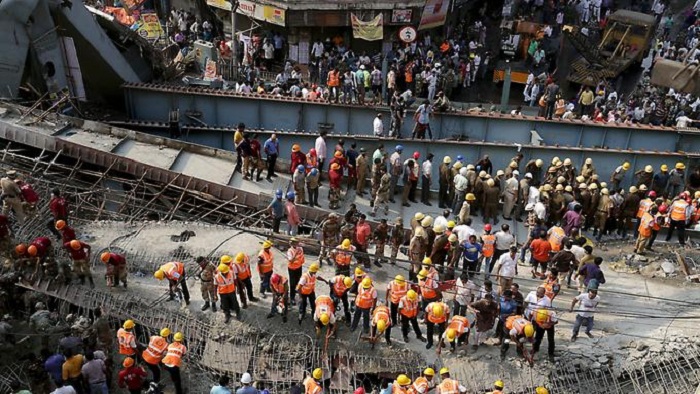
498,386
490,201
116,268
645,176
365,301
295,265
312,185
603,212
381,324
225,280
207,287
437,314
12,199
408,309
402,385
510,195
312,384
647,224
534,168
460,185
449,385
619,175
676,180
440,247
457,333
488,248
330,231
67,232
342,255
127,339
362,167
424,383
174,271
173,361
59,209
299,183
397,238
245,283
335,177
660,180
395,291
265,266
429,286
375,180
628,210
339,288
80,254
680,213
279,287
382,193
154,353
545,320
381,236
307,291
520,331
445,181
131,377
587,170
324,315
645,205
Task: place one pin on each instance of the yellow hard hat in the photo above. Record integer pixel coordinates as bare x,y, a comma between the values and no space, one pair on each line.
399,278
680,166
419,216
547,187
381,326
347,281
447,160
267,244
626,166
296,148
499,384
542,316
470,197
359,271
438,310
223,268
457,165
491,182
451,224
589,161
580,179
541,390
423,274
500,172
129,324
165,332
559,187
567,162
324,318
444,370
438,229
555,159
427,261
648,169
604,191
317,374
225,259
429,372
593,186
160,274
314,267
412,295
513,164
529,330
178,337
664,167
366,283
403,380
561,179
539,163
451,334
240,257
346,243
427,221
452,238
603,184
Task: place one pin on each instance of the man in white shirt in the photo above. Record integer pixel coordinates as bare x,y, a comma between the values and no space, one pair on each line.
540,210
61,389
507,269
465,293
504,240
378,126
464,231
317,49
320,147
535,300
584,316
427,171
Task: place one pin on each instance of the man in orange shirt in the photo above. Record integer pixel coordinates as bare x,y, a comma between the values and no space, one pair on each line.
174,271
173,360
539,250
363,234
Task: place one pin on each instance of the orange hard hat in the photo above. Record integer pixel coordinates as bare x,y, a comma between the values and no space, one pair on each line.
32,250
21,248
60,224
75,244
104,257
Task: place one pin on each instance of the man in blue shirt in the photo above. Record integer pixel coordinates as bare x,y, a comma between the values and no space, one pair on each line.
222,388
471,250
53,365
507,307
272,150
276,210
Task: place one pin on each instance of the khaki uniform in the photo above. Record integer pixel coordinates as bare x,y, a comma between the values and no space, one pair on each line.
602,212
382,195
208,287
329,237
12,199
587,171
396,240
362,167
381,235
445,185
376,180
490,199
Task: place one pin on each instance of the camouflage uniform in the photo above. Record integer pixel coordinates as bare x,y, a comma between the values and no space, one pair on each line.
207,285
376,181
329,236
396,238
381,235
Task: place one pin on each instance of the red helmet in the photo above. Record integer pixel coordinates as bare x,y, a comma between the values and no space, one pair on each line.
416,155
275,279
652,194
487,227
663,208
684,195
312,152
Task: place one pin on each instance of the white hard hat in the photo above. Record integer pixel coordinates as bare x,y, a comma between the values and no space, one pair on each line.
516,172
246,378
528,175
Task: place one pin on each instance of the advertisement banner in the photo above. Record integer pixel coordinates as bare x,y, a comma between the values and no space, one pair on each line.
273,15
434,14
401,16
222,4
369,31
150,26
261,12
247,8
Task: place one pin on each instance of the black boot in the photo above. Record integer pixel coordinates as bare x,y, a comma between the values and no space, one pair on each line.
227,319
205,306
213,306
82,280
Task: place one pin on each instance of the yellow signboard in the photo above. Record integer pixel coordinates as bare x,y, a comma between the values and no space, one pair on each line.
223,4
150,26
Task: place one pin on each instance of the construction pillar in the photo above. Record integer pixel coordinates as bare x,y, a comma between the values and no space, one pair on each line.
505,94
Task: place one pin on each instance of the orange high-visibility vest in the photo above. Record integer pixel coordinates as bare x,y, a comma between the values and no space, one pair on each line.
173,358
298,260
381,313
324,304
365,297
126,339
644,206
311,162
397,291
265,261
448,386
695,215
516,322
334,78
678,210
409,309
459,324
489,245
645,225
556,238
434,319
343,257
225,284
309,285
244,269
397,389
339,287
420,385
426,289
279,287
155,351
549,287
173,267
311,386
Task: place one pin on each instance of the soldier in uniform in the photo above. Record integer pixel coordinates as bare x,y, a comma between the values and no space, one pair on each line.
330,230
551,177
207,286
397,238
376,179
603,211
347,231
479,187
362,167
490,201
587,170
453,256
568,170
557,204
445,182
381,236
416,251
584,197
595,199
382,193
628,210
